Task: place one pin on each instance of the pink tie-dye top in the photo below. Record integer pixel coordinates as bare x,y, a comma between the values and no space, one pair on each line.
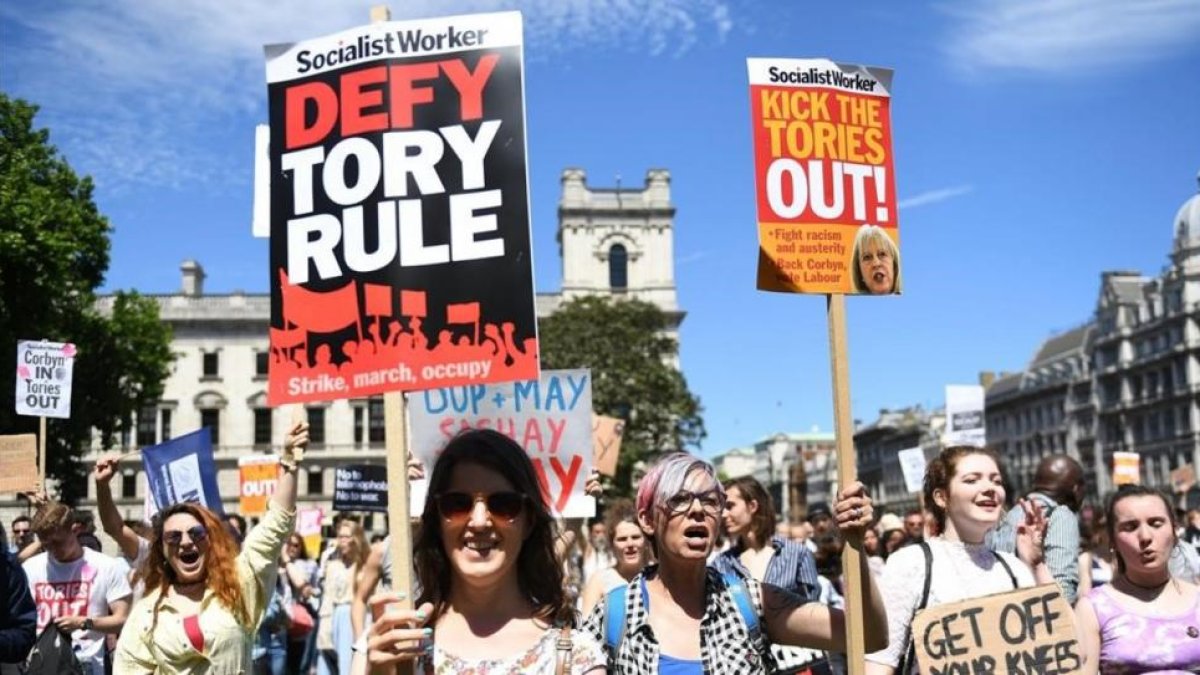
1131,642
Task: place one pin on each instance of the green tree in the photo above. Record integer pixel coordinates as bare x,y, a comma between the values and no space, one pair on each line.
54,251
624,344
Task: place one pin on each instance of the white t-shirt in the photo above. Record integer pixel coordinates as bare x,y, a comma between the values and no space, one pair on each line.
83,587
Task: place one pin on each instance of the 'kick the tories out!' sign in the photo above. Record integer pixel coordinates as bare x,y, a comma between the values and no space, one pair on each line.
400,239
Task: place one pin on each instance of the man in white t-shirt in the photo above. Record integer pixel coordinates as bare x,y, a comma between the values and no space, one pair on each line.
82,591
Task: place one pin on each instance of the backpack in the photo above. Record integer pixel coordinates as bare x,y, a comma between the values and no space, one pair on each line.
53,654
615,624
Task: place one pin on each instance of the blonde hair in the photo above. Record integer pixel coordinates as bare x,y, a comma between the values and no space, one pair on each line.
874,234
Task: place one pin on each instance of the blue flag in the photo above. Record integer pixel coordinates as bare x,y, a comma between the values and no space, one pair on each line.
183,470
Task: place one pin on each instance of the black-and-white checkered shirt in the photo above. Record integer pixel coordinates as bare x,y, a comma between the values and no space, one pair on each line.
726,646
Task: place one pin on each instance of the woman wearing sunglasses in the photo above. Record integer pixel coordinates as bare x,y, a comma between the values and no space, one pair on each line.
204,599
682,616
492,598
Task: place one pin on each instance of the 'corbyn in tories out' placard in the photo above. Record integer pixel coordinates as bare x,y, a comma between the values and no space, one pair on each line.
823,169
400,244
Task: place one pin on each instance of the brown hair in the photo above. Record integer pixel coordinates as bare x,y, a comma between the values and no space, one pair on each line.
620,511
539,572
1124,492
941,469
359,549
220,562
762,523
51,516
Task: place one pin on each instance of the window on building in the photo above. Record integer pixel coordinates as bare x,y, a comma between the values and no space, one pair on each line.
375,428
262,362
618,267
165,416
316,426
359,417
211,365
211,418
128,485
262,426
316,482
147,431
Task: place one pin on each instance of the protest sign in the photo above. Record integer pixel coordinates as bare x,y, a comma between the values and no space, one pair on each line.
823,169
550,417
400,235
183,470
257,476
1031,630
360,487
308,526
18,457
1126,468
606,443
1183,478
912,463
964,416
44,371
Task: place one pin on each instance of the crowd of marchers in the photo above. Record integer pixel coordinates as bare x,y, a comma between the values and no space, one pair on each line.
693,576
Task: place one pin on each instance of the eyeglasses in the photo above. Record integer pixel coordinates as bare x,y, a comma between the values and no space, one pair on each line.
680,502
197,533
503,505
20,533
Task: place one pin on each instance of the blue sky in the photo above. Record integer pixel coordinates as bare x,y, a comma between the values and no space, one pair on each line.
1037,142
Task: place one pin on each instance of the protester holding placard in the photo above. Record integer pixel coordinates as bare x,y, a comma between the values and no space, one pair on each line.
1145,620
204,600
630,552
492,597
700,620
964,489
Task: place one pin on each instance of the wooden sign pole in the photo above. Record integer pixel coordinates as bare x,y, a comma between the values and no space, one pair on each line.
42,451
847,473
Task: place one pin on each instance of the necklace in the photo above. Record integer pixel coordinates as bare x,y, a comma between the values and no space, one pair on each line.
1154,587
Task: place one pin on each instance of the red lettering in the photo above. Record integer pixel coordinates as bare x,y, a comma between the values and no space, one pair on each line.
296,133
470,85
356,97
566,479
405,95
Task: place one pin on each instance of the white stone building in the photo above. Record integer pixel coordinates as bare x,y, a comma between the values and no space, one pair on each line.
612,241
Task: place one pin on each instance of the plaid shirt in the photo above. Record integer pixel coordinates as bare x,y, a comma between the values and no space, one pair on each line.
726,647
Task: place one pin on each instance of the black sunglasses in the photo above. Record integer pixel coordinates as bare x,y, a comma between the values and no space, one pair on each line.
197,533
502,505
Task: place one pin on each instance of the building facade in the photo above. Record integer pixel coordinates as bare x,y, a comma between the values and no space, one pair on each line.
878,444
612,241
798,469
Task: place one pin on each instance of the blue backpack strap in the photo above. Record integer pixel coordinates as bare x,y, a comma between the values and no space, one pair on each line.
741,598
614,618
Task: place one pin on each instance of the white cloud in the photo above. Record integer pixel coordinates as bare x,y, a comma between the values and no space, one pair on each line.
934,196
136,89
690,258
1059,36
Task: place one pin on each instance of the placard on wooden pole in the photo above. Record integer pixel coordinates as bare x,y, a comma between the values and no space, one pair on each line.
42,451
847,468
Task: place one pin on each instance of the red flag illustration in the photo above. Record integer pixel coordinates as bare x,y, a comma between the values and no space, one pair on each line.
287,338
319,312
466,312
412,303
378,299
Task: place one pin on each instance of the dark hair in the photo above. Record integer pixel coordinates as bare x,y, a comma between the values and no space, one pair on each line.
21,519
1124,492
883,540
619,511
941,469
303,555
241,522
539,573
762,523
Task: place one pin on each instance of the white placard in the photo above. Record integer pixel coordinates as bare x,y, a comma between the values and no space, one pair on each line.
912,463
44,372
964,415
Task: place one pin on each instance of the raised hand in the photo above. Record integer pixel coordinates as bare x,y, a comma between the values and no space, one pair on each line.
1031,534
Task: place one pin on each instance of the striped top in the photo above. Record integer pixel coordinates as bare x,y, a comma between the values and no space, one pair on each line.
1061,544
792,568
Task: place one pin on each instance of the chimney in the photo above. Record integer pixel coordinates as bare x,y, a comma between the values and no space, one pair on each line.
193,278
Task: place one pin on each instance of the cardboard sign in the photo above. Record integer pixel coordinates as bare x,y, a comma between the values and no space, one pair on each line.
964,416
1183,478
1031,630
550,417
183,470
400,233
360,487
912,463
257,476
44,373
606,443
308,526
823,170
18,456
1126,468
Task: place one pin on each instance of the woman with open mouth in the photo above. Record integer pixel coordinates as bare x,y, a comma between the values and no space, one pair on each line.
629,548
682,616
964,489
1145,620
492,598
203,598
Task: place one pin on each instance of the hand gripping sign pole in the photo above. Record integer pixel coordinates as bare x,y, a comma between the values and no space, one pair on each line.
825,192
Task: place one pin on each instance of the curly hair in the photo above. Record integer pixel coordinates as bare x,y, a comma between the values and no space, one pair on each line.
940,471
539,572
219,562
